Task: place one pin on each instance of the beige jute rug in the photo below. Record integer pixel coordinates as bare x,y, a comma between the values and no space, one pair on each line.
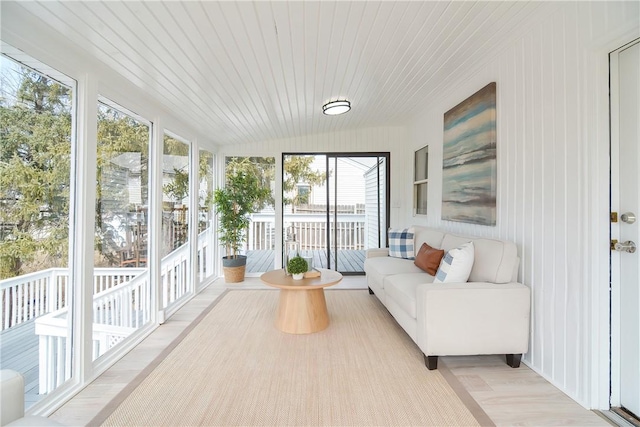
236,368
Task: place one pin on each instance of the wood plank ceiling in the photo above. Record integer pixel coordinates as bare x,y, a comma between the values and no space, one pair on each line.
253,71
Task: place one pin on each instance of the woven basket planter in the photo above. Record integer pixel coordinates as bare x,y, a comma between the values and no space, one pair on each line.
234,268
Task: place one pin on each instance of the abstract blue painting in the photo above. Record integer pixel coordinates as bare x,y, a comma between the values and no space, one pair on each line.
469,159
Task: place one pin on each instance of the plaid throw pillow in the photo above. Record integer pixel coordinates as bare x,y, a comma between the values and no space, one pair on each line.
401,243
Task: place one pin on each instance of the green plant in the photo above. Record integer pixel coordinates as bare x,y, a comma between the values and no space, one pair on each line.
297,265
242,195
178,188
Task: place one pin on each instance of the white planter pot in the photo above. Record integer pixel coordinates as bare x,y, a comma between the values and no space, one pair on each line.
298,276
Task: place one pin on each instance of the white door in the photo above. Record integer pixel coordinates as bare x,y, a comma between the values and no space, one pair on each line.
625,131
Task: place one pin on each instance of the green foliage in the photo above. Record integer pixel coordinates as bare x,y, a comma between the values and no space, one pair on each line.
173,146
297,265
35,154
35,172
243,194
178,188
120,136
298,170
262,168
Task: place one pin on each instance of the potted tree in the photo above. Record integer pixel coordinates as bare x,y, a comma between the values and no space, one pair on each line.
242,195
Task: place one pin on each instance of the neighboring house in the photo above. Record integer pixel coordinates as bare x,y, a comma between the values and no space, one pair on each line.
350,175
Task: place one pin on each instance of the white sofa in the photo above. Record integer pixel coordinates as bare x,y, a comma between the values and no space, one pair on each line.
12,403
489,314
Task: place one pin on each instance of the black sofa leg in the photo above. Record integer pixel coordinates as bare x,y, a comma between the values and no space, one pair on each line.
431,362
513,360
370,291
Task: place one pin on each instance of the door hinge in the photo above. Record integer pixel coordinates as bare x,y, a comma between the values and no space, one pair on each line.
613,244
614,216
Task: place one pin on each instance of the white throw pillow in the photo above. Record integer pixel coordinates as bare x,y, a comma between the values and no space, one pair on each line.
456,265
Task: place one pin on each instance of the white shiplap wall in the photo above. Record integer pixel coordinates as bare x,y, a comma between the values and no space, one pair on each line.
553,189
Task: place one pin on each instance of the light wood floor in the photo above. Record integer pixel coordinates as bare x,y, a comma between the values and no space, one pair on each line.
508,396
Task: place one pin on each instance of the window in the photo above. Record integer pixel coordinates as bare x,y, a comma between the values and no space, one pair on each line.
36,123
175,273
420,181
121,288
206,227
304,191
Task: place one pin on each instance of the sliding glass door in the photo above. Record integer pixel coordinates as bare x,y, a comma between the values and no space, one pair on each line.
335,206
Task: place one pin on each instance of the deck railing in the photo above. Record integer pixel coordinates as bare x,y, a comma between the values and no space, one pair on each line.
121,304
35,294
310,231
174,275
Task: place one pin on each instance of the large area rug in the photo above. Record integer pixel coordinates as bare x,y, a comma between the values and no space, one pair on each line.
235,368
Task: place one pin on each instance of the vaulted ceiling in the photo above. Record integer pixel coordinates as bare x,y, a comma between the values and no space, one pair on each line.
252,71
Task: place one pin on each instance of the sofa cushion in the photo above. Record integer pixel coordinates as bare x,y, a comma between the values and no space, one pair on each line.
401,244
379,267
426,235
401,288
456,264
495,260
428,258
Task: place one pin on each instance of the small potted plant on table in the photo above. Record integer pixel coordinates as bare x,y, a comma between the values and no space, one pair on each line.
297,266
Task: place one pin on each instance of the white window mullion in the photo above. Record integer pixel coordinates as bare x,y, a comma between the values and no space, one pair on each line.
194,207
155,218
83,244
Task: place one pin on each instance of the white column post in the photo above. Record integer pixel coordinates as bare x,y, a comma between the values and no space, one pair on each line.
82,205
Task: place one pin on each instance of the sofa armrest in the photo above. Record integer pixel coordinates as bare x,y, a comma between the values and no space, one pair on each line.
12,403
376,252
473,318
11,396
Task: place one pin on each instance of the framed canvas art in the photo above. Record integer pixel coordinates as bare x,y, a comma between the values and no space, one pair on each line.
469,159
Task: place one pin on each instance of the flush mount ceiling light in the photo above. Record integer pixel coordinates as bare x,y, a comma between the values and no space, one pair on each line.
336,107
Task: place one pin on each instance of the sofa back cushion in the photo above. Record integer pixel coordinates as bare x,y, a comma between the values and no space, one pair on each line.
495,260
429,236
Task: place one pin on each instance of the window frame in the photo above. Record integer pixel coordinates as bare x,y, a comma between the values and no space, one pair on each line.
420,181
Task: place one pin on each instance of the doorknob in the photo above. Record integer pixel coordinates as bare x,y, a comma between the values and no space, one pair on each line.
627,246
628,217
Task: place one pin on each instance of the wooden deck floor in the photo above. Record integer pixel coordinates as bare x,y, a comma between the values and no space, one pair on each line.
19,351
349,261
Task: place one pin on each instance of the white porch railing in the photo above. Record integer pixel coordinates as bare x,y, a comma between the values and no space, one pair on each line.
174,274
121,304
310,231
117,312
35,294
205,254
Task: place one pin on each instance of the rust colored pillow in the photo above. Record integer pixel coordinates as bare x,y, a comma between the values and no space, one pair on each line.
429,258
